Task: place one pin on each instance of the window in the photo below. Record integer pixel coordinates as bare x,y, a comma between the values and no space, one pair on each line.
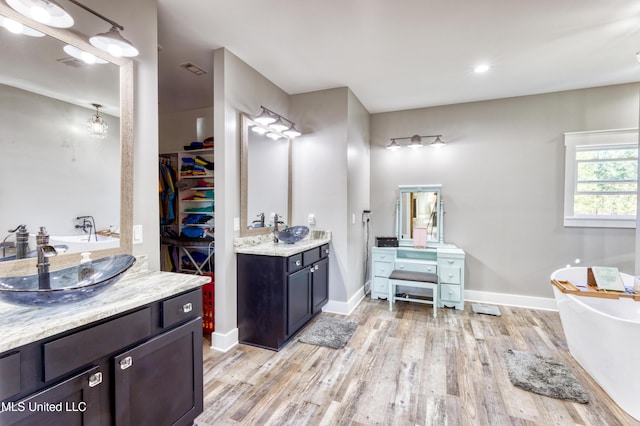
601,178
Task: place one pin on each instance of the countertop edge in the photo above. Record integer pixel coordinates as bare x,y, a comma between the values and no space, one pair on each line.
282,249
23,325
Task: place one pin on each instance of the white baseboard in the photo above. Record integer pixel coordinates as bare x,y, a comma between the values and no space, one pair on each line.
531,302
224,342
345,308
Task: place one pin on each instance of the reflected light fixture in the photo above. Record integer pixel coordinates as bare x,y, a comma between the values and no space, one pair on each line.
47,12
96,124
274,125
113,43
85,57
16,27
416,142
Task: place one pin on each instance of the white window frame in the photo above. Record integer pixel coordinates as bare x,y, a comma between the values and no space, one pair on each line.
574,140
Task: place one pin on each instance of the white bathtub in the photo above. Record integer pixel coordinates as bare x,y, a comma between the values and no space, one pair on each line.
603,335
80,243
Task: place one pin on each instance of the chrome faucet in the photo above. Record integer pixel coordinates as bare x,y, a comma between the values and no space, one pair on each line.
22,241
276,221
45,251
260,220
88,223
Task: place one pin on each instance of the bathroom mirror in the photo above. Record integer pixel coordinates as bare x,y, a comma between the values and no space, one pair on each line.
265,180
52,170
419,214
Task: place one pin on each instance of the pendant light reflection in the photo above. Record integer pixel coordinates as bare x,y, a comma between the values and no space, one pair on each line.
113,42
416,142
46,12
96,124
274,125
85,57
18,28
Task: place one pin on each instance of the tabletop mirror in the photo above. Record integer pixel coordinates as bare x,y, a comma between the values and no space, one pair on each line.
420,218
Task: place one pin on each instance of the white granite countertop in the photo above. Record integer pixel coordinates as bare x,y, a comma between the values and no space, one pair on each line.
264,246
21,325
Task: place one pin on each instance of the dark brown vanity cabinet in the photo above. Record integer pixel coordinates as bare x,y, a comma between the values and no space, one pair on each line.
136,368
278,295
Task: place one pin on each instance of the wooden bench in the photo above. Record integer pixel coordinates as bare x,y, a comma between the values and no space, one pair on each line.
414,279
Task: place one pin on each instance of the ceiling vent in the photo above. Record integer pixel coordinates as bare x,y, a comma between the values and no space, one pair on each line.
73,62
193,68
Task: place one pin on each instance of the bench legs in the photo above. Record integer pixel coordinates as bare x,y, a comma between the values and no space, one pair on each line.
417,284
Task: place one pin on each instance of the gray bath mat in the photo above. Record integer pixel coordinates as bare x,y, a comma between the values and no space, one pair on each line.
544,376
485,309
329,331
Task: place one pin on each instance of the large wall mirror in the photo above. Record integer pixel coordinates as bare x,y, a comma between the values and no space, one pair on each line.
420,215
265,180
52,171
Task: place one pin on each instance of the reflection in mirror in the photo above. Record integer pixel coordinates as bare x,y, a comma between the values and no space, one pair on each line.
420,215
265,180
50,162
51,170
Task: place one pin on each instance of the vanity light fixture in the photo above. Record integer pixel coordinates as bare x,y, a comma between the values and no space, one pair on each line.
271,122
18,28
416,142
96,124
47,12
85,57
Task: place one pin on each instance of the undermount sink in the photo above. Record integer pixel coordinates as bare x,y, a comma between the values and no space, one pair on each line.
292,235
65,287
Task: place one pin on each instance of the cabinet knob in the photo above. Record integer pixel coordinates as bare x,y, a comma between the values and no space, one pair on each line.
450,261
326,251
315,268
298,262
401,266
126,363
450,275
95,379
187,307
311,269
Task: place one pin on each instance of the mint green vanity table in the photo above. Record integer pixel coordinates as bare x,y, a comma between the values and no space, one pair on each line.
420,212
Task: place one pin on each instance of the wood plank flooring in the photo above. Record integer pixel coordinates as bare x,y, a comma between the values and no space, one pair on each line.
402,368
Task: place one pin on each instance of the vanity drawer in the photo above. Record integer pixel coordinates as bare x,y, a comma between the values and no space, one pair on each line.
382,269
380,285
96,342
388,255
294,262
311,256
180,308
450,293
324,250
450,274
10,375
406,265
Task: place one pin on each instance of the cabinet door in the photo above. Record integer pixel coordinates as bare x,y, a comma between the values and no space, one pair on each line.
320,284
160,381
298,300
75,401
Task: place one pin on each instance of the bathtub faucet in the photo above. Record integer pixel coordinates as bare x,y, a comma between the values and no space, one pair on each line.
88,223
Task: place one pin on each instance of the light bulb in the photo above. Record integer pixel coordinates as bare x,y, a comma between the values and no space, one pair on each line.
13,26
40,14
115,50
88,57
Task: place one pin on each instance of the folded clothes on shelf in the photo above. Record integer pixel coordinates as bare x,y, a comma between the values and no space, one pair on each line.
194,145
196,219
204,162
202,209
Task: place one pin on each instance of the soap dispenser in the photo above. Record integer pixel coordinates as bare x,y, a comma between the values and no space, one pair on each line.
85,270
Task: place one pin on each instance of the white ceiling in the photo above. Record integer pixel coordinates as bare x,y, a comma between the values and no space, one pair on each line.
401,54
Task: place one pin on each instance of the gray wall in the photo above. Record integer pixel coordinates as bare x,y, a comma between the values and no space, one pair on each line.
503,180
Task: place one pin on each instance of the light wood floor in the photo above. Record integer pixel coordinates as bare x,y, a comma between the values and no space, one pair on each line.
401,368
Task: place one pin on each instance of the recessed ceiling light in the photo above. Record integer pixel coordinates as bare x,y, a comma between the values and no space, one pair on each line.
481,68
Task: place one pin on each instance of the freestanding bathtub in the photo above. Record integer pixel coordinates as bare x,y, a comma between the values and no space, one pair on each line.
603,335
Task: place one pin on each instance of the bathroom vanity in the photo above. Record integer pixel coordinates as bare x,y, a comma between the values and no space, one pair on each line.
280,288
129,356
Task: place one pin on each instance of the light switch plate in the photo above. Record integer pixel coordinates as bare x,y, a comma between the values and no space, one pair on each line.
137,234
236,223
311,219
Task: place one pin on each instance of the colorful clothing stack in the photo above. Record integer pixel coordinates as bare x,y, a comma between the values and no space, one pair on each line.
200,196
167,193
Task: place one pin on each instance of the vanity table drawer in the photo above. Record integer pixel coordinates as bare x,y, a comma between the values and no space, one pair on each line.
181,308
311,256
96,342
294,263
10,374
450,274
406,265
389,256
382,269
324,250
450,293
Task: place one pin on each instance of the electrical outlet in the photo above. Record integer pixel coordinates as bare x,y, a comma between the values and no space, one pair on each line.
311,219
236,223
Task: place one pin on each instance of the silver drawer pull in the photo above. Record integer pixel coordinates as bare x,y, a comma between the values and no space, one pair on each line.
187,307
316,267
298,262
326,251
450,261
126,363
95,379
311,269
450,275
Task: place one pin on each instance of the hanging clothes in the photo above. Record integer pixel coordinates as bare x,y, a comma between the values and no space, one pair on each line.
167,192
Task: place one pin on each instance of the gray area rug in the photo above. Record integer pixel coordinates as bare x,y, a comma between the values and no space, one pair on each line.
329,331
486,309
544,376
